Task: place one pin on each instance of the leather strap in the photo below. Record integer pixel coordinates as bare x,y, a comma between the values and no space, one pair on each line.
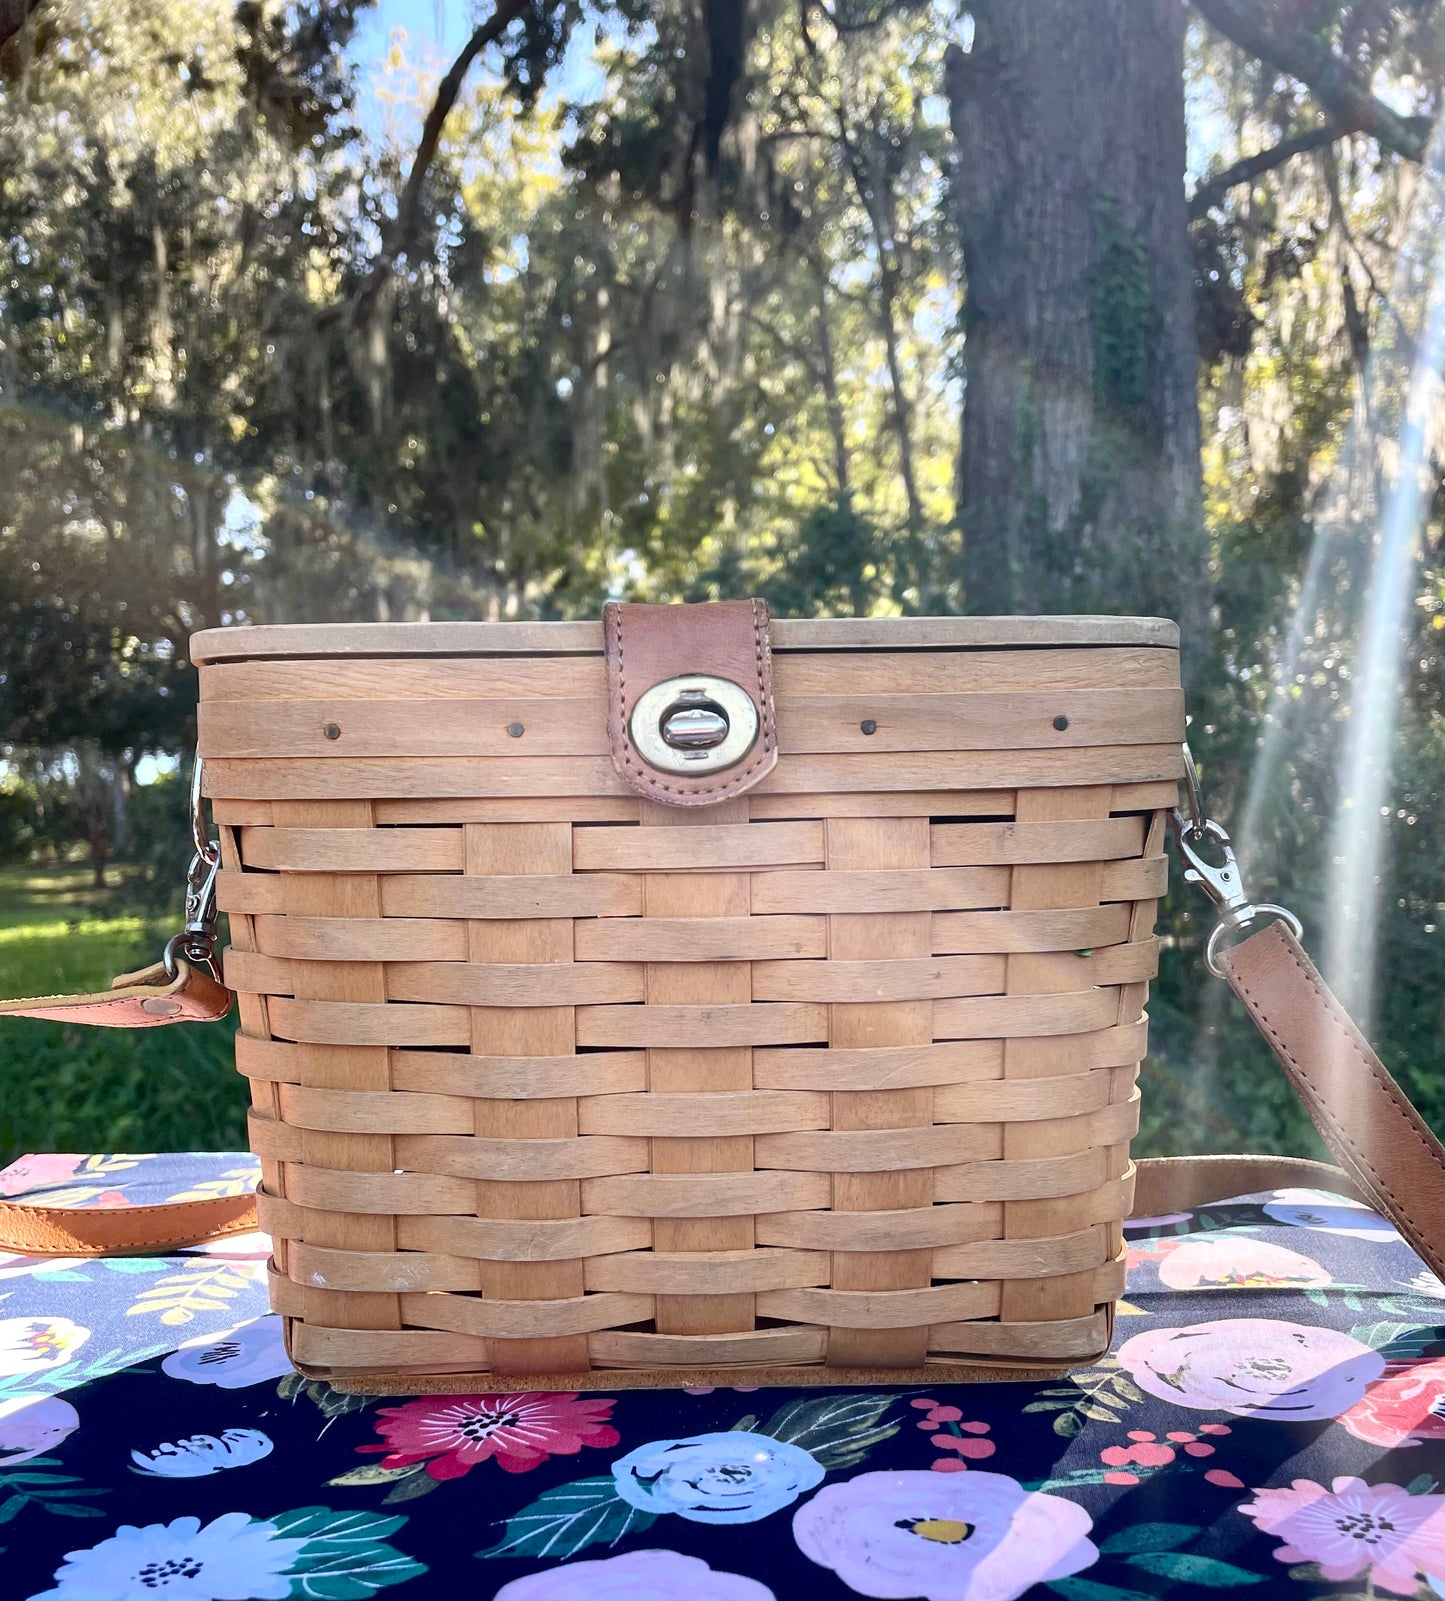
647,645
148,998
1362,1114
1181,1183
122,1230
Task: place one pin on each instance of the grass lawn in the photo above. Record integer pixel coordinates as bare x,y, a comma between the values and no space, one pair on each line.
67,1088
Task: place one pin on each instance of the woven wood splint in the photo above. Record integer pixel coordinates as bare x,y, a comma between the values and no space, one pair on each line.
557,1083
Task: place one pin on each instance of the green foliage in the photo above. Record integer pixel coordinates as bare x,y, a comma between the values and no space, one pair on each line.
64,1088
568,1518
698,334
839,1430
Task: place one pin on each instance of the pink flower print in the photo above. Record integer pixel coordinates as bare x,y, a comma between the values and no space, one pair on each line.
964,1446
31,1172
950,1433
1148,1453
1224,1478
1406,1407
635,1576
971,1537
1253,1367
1238,1263
1356,1528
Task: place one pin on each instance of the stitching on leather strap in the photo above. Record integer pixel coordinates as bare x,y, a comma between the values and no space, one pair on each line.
1342,1022
1309,1085
192,1214
734,779
1346,1029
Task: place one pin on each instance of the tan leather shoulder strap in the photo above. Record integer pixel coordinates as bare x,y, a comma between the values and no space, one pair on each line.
144,999
122,1230
1165,1184
1362,1114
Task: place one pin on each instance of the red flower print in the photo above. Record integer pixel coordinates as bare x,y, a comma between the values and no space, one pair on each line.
978,1449
957,1436
1405,1407
453,1433
1147,1456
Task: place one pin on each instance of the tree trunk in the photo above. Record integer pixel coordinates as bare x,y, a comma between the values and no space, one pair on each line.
1079,483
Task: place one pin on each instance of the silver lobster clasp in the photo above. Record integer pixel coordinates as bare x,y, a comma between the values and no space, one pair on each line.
1220,879
196,943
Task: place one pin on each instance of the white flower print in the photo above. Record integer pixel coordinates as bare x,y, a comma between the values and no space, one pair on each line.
250,1354
202,1454
233,1558
961,1537
636,1576
37,1344
1328,1214
736,1477
32,1425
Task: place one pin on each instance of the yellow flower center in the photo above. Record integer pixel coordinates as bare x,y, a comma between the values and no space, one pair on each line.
942,1531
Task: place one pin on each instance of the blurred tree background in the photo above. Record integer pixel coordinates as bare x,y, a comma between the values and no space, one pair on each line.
866,306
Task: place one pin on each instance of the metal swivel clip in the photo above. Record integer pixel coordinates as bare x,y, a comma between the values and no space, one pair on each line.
1220,880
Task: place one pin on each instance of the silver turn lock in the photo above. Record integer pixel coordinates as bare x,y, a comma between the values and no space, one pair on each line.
694,723
700,724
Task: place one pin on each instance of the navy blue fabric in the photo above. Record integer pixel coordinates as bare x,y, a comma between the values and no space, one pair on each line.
1270,1422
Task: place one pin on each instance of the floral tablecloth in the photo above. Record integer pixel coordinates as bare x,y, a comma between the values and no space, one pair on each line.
1270,1423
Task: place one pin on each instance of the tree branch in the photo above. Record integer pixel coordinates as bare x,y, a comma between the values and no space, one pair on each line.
401,237
1248,168
1334,82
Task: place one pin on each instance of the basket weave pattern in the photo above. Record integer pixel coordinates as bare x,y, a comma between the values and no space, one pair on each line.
839,1074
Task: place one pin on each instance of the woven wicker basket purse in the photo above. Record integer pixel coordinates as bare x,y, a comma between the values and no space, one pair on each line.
689,999
688,992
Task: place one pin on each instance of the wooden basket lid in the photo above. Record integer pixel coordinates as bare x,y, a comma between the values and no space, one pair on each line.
585,638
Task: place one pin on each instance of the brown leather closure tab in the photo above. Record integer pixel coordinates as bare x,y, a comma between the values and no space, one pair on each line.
145,999
700,679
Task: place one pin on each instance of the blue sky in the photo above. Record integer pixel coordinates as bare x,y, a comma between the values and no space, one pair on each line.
435,31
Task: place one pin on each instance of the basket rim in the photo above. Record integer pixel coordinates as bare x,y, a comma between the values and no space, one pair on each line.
247,642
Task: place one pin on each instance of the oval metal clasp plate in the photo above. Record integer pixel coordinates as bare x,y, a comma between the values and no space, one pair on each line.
699,724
